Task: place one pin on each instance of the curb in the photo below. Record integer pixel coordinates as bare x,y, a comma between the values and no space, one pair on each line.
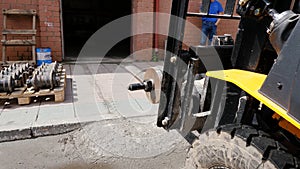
12,135
54,129
41,131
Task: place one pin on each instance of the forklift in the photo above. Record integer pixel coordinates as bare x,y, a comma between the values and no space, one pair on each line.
239,102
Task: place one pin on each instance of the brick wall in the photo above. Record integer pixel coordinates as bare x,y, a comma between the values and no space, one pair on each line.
142,44
164,7
48,27
193,26
227,26
192,33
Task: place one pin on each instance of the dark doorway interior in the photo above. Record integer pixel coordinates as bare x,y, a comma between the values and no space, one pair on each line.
82,18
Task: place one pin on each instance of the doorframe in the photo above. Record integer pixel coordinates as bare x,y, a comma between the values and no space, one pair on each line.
62,29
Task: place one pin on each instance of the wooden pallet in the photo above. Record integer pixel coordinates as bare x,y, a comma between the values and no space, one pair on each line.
25,95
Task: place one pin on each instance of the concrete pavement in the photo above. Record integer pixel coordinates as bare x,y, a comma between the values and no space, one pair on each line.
94,92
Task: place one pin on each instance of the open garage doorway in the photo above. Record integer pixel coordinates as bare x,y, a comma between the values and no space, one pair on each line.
82,18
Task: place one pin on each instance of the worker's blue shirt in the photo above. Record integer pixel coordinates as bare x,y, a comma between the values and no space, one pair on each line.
215,8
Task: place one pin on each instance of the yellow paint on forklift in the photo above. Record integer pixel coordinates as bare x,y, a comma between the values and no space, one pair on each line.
251,82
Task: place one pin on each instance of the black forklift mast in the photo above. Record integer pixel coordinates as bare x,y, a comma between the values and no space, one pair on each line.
167,110
252,51
178,62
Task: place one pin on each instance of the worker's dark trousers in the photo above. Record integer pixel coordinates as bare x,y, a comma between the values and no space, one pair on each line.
208,31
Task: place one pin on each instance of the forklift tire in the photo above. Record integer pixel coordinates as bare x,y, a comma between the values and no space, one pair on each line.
238,147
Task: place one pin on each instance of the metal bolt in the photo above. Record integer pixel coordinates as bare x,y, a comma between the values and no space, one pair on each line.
165,121
173,59
243,2
257,12
260,106
279,85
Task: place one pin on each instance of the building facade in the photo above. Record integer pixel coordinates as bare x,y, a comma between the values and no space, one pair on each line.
65,25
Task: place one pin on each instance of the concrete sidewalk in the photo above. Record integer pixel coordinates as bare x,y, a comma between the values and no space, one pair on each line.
94,92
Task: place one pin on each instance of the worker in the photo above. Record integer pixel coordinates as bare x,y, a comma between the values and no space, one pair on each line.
209,25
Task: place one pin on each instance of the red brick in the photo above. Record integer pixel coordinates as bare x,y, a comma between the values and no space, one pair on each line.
45,14
11,1
44,38
47,44
42,29
53,29
55,14
5,6
53,8
45,2
54,19
57,33
24,1
47,33
54,39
